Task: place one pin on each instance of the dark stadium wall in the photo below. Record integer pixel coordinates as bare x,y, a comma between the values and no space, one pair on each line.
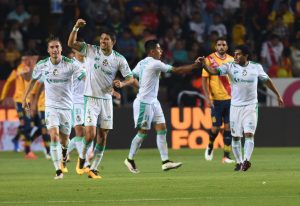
188,128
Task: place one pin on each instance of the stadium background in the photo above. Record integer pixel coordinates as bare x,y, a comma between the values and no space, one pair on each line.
185,29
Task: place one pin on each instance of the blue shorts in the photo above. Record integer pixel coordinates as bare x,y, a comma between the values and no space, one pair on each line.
220,112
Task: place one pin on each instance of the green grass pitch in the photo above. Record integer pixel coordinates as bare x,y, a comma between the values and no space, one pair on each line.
273,179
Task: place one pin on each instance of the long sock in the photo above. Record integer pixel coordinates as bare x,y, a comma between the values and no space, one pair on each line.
212,137
79,144
85,147
89,152
72,144
227,143
136,144
237,150
54,151
98,152
248,148
162,144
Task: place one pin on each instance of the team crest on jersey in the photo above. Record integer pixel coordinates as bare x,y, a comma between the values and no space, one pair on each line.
78,118
55,72
144,123
244,72
105,62
89,119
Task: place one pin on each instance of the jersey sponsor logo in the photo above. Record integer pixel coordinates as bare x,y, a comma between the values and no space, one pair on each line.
57,80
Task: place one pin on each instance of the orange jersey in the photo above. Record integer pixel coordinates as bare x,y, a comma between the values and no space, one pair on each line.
219,86
20,82
41,100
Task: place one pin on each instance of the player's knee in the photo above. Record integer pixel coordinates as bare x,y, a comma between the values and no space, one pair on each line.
215,130
249,135
236,139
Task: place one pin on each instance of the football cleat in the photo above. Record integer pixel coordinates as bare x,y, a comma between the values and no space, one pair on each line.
94,174
227,160
246,165
31,156
59,175
238,167
168,165
87,168
131,166
208,156
79,166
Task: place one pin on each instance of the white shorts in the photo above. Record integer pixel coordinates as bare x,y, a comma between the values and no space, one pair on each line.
243,119
78,114
98,112
144,114
61,118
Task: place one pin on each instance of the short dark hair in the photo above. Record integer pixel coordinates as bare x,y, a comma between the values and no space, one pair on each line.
244,49
110,33
221,39
150,44
53,38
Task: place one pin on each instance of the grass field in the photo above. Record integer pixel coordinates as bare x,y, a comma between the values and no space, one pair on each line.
273,179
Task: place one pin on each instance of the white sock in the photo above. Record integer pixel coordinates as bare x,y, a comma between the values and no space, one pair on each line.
248,148
55,154
162,144
98,153
79,144
85,147
89,152
237,150
71,145
136,144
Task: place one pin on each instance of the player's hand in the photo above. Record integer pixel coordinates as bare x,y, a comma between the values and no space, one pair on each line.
117,83
117,95
280,101
80,23
200,60
210,103
25,106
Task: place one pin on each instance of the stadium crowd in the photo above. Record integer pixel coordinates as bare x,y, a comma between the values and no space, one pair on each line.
184,28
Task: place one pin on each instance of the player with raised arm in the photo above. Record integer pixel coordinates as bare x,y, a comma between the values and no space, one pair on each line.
57,72
147,108
103,65
244,75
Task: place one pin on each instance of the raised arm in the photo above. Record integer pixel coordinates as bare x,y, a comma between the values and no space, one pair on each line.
269,83
72,41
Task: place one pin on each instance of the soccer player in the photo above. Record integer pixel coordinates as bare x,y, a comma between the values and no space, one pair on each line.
21,77
104,63
218,93
57,72
146,107
244,75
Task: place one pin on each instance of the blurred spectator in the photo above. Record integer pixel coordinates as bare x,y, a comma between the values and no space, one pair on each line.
20,15
2,39
180,54
126,45
209,44
198,26
12,54
218,26
36,31
114,22
5,68
16,34
136,27
231,6
280,28
295,57
285,68
149,16
271,53
284,11
238,32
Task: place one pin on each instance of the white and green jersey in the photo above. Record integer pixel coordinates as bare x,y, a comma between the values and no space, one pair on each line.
244,81
102,70
148,72
58,81
78,84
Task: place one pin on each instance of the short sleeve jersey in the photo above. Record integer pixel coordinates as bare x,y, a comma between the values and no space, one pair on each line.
244,81
148,72
102,70
58,81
